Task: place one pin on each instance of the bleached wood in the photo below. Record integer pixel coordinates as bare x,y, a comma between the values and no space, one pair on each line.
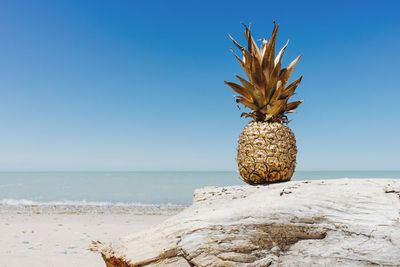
343,222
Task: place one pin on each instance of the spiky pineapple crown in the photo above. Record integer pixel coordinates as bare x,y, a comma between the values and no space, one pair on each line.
265,93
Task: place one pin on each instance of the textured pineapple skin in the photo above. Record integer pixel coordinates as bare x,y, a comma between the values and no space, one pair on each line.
266,153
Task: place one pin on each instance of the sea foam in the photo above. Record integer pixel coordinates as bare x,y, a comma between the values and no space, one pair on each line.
26,206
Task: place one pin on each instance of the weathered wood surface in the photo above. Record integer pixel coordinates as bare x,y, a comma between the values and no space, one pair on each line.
343,222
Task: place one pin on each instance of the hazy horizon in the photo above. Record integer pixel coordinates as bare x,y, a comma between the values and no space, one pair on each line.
297,170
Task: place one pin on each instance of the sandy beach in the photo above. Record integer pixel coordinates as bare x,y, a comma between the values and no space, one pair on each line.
34,236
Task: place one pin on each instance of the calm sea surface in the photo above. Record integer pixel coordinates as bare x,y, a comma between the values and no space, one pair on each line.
133,187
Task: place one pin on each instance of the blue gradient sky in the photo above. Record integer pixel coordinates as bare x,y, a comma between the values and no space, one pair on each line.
138,85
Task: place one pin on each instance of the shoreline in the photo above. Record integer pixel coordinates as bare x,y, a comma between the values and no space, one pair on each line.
90,208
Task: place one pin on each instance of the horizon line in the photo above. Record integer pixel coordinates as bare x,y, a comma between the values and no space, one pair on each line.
327,170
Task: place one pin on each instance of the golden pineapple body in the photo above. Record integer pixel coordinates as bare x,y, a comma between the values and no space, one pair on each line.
266,153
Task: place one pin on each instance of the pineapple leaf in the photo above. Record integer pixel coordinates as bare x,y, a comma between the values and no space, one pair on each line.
252,46
277,92
289,91
259,98
253,70
248,104
271,86
269,55
263,47
264,110
285,73
240,90
240,61
236,43
294,105
280,54
246,84
265,90
247,115
274,108
256,94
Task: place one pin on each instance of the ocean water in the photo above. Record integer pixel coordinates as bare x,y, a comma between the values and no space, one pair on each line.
131,188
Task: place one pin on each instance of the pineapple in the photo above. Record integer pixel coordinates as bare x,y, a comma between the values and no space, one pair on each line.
266,147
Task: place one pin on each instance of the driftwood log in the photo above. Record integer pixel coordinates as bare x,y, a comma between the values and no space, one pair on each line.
343,222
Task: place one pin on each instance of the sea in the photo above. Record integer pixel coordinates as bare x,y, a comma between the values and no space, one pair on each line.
138,192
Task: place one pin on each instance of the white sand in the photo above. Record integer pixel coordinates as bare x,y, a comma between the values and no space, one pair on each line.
63,239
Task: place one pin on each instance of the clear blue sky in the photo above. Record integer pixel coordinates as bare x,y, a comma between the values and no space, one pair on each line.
138,85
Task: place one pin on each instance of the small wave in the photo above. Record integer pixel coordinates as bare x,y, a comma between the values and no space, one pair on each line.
28,202
27,206
10,185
